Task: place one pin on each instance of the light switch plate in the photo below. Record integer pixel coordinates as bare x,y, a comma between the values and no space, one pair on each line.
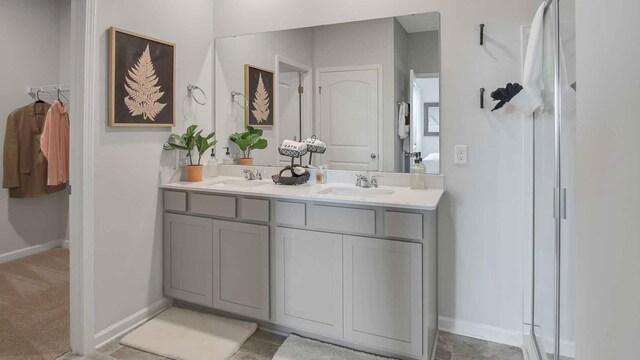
460,155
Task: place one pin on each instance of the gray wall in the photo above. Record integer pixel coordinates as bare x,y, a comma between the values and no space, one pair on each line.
32,35
401,90
258,50
424,51
608,175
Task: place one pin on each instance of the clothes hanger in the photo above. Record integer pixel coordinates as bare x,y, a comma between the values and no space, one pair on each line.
38,101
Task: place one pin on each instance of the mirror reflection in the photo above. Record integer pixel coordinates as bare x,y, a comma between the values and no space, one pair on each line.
368,91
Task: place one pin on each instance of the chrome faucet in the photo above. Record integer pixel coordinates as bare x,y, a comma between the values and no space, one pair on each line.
250,175
364,181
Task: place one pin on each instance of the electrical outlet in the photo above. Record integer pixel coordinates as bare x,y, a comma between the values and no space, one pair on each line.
460,155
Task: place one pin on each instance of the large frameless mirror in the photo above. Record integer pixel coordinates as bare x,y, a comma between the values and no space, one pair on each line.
369,91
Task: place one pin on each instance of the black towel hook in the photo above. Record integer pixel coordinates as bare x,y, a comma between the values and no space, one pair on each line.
482,98
481,34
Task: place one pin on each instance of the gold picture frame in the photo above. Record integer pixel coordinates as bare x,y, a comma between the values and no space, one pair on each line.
259,91
141,67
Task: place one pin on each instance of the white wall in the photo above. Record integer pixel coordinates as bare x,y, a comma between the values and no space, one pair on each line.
608,174
424,51
258,50
128,214
31,38
481,215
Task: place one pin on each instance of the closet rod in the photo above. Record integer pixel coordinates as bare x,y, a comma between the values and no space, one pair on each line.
51,91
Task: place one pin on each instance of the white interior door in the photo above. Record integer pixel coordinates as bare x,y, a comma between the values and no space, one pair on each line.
288,108
349,117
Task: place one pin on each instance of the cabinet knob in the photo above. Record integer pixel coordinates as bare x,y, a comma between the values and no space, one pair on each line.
373,156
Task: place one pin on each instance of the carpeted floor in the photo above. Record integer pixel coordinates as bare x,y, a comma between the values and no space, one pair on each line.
34,306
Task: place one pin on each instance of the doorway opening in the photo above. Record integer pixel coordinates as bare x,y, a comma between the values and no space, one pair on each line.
294,107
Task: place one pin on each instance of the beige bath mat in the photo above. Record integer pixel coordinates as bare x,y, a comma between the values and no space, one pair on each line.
299,348
182,334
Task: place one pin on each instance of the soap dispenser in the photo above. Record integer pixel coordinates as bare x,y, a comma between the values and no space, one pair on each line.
227,157
212,165
418,172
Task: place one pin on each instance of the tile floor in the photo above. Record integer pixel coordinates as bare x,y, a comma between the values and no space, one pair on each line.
263,345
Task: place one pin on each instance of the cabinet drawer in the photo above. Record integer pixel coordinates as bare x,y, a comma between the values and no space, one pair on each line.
224,206
291,213
254,209
361,221
175,200
403,225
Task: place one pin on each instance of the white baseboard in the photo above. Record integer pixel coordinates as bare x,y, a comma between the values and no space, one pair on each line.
480,331
65,244
32,250
129,323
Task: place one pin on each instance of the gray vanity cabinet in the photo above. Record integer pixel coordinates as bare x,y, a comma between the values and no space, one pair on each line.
362,275
219,264
309,281
241,268
188,264
383,294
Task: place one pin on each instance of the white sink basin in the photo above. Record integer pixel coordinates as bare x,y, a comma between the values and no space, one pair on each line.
239,183
356,191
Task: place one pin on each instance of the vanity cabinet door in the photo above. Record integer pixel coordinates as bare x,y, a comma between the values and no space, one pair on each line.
383,294
309,281
241,268
188,264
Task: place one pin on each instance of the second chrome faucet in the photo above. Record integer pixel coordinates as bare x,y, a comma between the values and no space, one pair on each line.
364,181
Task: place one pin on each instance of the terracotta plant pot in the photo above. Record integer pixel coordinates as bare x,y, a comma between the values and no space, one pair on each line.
246,161
194,172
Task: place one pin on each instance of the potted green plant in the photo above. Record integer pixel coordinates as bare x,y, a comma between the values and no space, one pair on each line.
247,141
189,141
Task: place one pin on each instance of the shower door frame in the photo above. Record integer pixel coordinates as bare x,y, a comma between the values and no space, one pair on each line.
534,348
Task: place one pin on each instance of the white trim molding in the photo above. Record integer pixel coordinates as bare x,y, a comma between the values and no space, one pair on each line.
481,331
131,322
81,214
31,250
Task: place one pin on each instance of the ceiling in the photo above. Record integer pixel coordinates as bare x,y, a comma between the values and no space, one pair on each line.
420,22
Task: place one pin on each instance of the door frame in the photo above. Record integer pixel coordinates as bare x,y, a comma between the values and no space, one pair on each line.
306,129
377,67
81,205
418,76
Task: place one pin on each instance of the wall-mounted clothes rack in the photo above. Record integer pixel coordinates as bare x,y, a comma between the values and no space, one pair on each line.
50,93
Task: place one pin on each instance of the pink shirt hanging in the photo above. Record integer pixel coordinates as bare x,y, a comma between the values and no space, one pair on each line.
54,143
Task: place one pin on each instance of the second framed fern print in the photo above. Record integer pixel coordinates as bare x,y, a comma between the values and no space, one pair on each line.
258,86
142,80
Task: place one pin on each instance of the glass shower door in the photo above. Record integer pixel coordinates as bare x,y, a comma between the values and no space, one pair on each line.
553,197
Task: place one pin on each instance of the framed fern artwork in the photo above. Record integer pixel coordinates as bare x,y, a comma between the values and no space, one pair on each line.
142,77
258,85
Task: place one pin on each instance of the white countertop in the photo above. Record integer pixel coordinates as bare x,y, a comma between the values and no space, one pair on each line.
402,197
